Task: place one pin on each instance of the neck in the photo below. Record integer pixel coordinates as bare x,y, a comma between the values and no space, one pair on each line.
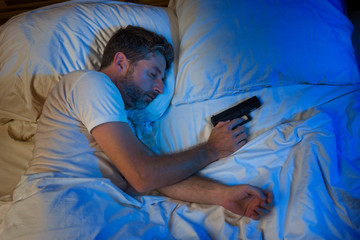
117,81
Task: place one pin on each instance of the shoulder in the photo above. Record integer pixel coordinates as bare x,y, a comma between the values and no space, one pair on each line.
93,98
85,75
87,80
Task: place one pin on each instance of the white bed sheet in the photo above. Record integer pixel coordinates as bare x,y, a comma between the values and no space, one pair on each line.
14,157
302,146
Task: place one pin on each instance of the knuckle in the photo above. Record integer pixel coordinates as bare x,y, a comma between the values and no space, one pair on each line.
241,128
243,136
246,187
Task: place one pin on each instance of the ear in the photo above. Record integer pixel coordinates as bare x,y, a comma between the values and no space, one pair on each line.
121,63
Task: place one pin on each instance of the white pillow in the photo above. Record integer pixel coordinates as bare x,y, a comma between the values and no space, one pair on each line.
40,46
241,45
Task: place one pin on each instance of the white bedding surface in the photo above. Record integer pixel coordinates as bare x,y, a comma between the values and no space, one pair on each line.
303,141
302,148
14,159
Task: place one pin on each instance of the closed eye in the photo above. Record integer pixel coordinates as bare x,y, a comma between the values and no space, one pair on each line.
152,74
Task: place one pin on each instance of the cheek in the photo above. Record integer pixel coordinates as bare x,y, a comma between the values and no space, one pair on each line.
136,80
144,82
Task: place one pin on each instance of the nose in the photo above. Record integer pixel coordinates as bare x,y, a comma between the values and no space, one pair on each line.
159,86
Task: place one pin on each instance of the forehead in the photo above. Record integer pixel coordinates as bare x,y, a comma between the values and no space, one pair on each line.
157,60
152,62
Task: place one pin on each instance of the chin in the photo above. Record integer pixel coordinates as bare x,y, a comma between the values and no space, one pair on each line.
141,105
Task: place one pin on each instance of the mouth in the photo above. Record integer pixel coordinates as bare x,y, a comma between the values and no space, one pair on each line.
151,97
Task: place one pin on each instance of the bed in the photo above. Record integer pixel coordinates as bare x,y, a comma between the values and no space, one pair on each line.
296,56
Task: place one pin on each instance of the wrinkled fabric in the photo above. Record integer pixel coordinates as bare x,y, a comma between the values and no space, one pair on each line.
303,160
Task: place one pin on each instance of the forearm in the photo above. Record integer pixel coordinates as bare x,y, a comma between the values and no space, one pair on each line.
244,200
196,189
169,169
146,171
143,169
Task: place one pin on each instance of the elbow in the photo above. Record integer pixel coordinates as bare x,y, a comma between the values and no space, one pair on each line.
144,176
144,183
141,187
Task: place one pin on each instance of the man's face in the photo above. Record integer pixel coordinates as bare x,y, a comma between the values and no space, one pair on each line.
144,81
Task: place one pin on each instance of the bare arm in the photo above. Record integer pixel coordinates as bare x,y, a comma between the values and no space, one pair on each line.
244,200
145,170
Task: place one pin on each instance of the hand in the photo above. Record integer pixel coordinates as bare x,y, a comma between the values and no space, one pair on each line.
248,201
225,139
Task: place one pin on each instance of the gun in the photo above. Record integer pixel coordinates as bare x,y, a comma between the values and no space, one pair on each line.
240,110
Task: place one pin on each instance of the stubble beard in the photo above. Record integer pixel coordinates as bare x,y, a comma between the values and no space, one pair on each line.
136,95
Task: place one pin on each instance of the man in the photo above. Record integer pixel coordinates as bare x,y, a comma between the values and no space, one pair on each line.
83,133
139,81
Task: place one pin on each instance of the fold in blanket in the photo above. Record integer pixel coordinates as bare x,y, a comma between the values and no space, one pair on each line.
296,160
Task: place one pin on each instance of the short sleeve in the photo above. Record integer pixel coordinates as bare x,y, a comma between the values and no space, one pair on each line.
95,100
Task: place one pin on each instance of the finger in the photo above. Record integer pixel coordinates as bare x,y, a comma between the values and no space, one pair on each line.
221,124
254,209
258,212
240,130
235,124
262,210
252,190
267,208
241,143
269,196
241,137
265,205
254,216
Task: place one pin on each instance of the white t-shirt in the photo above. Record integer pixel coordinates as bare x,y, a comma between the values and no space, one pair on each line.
80,101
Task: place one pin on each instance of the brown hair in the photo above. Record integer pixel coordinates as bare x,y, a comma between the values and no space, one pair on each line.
136,43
